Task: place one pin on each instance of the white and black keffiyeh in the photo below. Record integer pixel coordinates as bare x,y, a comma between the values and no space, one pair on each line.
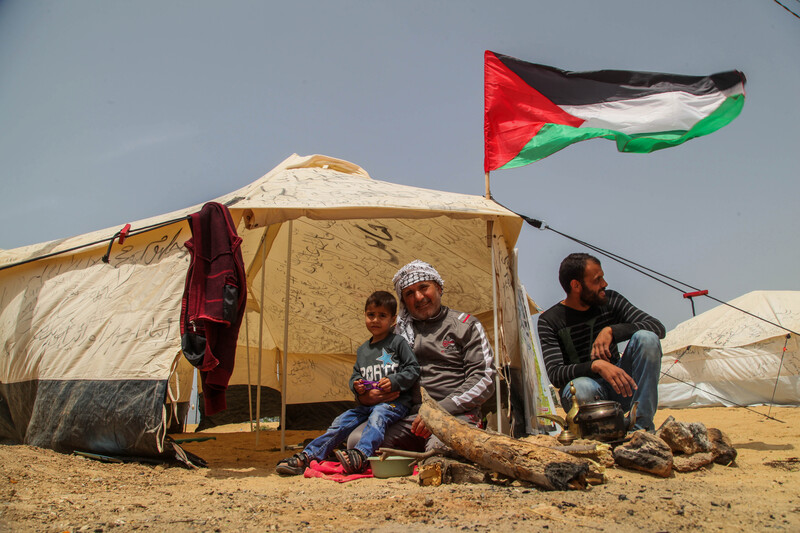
412,273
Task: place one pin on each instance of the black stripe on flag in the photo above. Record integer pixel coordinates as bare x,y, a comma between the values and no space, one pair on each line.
580,88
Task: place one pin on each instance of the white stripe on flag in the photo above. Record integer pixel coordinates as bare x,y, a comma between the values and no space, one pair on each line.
660,112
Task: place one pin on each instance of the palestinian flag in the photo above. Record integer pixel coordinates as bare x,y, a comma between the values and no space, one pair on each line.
532,111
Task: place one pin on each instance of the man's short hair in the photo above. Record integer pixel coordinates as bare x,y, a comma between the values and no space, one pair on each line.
382,299
573,267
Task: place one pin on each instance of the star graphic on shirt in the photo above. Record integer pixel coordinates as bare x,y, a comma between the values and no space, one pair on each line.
385,358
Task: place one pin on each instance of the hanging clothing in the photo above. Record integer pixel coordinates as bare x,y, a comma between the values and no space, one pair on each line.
213,301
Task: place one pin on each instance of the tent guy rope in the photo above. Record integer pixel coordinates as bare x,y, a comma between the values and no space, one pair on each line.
124,233
650,273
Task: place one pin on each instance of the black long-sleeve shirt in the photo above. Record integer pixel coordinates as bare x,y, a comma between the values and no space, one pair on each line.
567,335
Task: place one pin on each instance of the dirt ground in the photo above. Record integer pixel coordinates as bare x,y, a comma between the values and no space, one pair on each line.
41,490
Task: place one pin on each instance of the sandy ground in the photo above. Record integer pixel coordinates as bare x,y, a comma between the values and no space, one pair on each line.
41,490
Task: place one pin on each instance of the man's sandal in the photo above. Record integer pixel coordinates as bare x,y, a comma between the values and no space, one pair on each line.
294,465
353,461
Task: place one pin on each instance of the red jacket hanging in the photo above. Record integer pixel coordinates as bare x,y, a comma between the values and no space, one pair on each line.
213,301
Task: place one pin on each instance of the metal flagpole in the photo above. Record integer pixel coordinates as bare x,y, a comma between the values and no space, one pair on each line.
490,238
286,339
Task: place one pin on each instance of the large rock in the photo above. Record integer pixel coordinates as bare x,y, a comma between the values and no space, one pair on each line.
684,437
645,452
692,462
695,445
721,447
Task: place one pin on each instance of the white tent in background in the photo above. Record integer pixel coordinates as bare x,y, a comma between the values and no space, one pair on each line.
89,352
726,357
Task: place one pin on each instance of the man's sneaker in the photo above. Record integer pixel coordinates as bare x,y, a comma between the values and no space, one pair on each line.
294,465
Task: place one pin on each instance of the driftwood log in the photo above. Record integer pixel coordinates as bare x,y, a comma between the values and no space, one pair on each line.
544,467
596,451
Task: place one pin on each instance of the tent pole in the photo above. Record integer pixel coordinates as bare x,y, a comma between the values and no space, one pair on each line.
284,379
490,227
778,376
261,332
488,188
249,380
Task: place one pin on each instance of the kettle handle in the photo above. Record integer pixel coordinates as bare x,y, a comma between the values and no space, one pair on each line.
632,415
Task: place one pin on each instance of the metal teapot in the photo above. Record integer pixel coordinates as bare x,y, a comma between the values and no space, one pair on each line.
603,421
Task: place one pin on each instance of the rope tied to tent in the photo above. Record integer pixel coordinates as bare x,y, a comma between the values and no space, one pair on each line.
780,366
122,234
691,295
658,276
696,387
650,273
119,234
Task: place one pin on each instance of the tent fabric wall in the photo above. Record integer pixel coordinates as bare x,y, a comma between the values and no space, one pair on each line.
87,349
726,357
77,326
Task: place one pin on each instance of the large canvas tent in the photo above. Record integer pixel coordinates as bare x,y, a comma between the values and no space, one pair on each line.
727,357
90,354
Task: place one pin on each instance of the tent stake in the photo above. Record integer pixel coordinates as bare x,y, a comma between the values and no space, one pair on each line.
284,379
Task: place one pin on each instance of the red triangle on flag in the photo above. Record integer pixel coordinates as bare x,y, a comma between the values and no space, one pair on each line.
514,112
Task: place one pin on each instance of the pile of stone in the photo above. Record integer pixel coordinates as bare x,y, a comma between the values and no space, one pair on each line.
679,446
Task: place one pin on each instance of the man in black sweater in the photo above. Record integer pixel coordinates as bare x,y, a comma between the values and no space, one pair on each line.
579,337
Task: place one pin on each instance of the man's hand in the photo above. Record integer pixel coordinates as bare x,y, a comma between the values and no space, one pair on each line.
358,386
376,396
619,379
385,385
419,428
602,344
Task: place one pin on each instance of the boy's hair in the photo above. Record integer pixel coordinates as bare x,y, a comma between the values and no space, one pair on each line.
573,267
382,299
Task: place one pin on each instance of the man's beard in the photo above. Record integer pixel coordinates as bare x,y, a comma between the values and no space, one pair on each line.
590,297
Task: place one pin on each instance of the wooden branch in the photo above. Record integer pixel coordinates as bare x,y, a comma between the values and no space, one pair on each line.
419,456
545,467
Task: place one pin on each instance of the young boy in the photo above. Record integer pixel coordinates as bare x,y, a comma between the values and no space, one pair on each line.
385,362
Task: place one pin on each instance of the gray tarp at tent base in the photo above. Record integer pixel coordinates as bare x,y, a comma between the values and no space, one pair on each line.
90,352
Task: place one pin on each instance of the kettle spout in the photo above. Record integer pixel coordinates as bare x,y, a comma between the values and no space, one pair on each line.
630,419
554,418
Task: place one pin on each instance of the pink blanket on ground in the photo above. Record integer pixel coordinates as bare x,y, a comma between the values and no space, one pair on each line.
333,471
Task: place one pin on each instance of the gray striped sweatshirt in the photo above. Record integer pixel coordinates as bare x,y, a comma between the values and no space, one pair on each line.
455,359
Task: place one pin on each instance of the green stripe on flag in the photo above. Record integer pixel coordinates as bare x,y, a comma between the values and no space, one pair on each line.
554,137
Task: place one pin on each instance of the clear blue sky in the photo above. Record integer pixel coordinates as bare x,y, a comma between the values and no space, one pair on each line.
113,111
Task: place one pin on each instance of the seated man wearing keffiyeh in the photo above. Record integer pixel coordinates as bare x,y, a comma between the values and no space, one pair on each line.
456,361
